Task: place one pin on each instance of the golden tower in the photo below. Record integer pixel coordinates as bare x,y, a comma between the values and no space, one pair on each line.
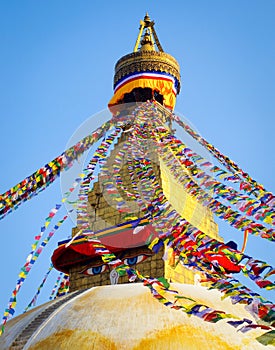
146,74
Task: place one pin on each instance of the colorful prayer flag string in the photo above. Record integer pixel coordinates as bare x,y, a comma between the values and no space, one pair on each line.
34,299
190,159
9,312
43,177
56,285
64,286
246,181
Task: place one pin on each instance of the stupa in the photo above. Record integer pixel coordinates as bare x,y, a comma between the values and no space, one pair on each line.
116,245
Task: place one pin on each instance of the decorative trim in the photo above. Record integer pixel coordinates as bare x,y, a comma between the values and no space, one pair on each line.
148,75
143,61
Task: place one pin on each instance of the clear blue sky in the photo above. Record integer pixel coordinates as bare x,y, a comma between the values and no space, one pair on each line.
56,63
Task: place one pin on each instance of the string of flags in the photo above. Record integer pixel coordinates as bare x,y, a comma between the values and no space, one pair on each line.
208,314
34,299
206,182
34,254
176,163
167,142
56,286
252,268
98,158
255,270
188,158
246,182
43,177
24,271
64,286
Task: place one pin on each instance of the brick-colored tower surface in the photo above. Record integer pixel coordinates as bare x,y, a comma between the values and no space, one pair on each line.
102,208
104,214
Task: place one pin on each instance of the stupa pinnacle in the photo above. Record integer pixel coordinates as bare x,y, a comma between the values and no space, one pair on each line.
148,73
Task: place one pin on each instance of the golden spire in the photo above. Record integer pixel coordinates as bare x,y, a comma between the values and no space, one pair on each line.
147,43
149,36
148,67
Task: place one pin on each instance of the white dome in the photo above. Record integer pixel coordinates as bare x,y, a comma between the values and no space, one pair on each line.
127,316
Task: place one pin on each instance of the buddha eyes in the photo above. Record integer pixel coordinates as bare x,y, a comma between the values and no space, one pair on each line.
96,270
135,260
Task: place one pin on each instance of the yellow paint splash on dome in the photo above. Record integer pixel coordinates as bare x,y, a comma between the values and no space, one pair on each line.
180,337
73,340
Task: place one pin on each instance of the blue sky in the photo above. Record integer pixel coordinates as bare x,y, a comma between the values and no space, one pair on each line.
57,61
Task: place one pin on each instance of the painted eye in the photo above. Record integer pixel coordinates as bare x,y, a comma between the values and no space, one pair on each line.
135,260
95,270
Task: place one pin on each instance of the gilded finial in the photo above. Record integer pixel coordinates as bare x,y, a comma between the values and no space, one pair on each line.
149,36
140,75
147,43
147,19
